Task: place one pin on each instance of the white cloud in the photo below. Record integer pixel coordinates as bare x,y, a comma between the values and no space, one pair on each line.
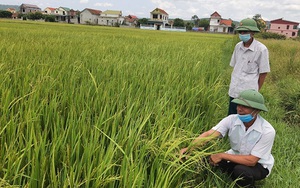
193,10
103,5
83,1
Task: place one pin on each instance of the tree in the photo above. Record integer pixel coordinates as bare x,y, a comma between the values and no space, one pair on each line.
189,26
49,18
178,22
204,23
195,19
142,21
261,24
233,25
5,14
35,16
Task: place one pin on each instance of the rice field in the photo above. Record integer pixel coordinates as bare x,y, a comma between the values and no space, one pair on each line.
92,106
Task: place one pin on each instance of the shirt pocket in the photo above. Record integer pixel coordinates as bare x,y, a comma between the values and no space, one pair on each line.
250,67
252,139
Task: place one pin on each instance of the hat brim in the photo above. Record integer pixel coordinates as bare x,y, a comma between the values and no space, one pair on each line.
250,104
247,28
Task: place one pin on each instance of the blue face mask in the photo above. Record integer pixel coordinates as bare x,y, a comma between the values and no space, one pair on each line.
245,37
246,118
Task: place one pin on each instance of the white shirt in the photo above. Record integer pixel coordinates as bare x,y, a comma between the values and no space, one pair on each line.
257,140
247,64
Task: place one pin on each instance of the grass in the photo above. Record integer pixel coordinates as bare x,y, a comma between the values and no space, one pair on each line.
87,106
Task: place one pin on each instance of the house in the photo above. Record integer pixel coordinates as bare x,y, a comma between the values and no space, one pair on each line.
62,14
74,16
158,18
49,10
219,25
89,16
12,10
14,13
131,20
27,8
284,27
110,17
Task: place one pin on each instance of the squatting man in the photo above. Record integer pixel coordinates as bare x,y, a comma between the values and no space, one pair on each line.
251,141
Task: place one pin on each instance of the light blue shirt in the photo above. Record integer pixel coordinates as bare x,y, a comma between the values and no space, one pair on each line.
257,140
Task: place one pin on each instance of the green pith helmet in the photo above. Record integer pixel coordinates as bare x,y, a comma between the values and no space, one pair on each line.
248,24
251,98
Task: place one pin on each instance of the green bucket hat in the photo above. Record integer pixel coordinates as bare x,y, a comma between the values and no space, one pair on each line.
248,24
251,98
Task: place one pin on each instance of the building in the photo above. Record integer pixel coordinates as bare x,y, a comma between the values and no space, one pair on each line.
14,13
158,18
131,20
89,16
12,10
62,14
28,8
74,16
49,11
284,27
219,25
111,18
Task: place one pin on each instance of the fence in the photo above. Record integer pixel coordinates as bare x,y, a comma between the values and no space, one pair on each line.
166,28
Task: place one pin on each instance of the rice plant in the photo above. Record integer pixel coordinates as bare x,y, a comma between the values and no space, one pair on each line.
87,106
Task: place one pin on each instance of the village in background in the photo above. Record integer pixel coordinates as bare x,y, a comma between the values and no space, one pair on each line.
158,20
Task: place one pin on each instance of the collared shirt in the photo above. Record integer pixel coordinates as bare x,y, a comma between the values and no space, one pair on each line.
247,64
257,140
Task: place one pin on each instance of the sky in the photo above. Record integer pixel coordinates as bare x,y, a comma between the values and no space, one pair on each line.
183,9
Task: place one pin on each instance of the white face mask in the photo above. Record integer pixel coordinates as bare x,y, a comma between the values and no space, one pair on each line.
245,37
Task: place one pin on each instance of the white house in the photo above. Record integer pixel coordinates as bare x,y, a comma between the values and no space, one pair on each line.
49,10
219,25
62,14
89,16
110,17
158,18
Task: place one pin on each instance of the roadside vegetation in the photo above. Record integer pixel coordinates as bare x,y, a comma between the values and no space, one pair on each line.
84,106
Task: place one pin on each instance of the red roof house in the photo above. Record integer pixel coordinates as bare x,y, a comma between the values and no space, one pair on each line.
217,24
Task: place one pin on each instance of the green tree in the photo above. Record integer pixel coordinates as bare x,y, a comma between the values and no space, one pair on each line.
35,16
195,19
5,14
189,26
261,24
178,22
204,23
49,18
142,21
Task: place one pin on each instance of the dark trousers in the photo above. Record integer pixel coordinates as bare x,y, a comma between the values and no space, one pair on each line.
247,175
232,107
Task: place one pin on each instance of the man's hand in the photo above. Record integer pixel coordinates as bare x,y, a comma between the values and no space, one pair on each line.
183,152
215,159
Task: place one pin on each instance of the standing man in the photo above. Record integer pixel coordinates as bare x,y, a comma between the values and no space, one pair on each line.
250,62
251,140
